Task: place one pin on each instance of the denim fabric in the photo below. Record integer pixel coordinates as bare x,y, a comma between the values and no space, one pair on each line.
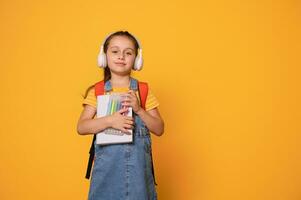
124,171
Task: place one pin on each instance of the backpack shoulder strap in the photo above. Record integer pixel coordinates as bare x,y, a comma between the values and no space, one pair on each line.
143,91
99,88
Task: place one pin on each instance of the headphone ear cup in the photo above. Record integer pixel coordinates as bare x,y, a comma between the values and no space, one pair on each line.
138,61
102,59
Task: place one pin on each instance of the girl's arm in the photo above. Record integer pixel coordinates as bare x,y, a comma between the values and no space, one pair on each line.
87,125
152,120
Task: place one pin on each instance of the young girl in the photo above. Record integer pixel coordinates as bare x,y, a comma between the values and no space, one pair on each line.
122,171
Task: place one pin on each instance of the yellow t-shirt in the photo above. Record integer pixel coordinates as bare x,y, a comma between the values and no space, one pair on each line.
151,100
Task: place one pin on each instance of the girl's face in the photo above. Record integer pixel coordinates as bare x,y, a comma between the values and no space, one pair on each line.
121,55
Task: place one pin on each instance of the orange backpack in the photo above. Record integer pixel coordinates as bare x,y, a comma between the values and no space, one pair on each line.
99,90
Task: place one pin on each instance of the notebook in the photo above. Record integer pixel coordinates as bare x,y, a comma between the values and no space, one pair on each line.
107,105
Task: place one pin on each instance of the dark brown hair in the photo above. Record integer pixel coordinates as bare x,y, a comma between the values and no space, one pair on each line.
107,72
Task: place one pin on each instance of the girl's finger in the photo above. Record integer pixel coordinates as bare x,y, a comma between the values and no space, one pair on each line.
130,118
126,100
132,93
126,131
127,95
126,104
128,126
129,122
122,110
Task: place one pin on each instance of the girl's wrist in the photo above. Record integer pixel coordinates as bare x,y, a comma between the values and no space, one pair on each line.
139,111
108,121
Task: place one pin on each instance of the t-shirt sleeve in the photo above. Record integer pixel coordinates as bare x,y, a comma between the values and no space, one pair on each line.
151,101
90,99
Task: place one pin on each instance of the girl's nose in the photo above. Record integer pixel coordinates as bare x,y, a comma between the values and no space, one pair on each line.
121,56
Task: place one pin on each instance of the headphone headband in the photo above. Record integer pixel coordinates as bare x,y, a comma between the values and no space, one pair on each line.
139,44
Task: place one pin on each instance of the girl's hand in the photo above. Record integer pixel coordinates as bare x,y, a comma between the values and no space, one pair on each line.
121,122
131,100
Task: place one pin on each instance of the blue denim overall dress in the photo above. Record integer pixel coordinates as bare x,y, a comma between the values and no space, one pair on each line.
124,171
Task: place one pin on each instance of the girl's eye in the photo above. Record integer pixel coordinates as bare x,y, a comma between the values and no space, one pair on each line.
114,51
128,53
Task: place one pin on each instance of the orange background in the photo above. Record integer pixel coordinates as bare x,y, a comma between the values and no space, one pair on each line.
226,73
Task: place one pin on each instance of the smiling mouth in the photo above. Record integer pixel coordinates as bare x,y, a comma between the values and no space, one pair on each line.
122,64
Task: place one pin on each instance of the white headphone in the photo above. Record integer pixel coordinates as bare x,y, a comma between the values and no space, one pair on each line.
102,59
